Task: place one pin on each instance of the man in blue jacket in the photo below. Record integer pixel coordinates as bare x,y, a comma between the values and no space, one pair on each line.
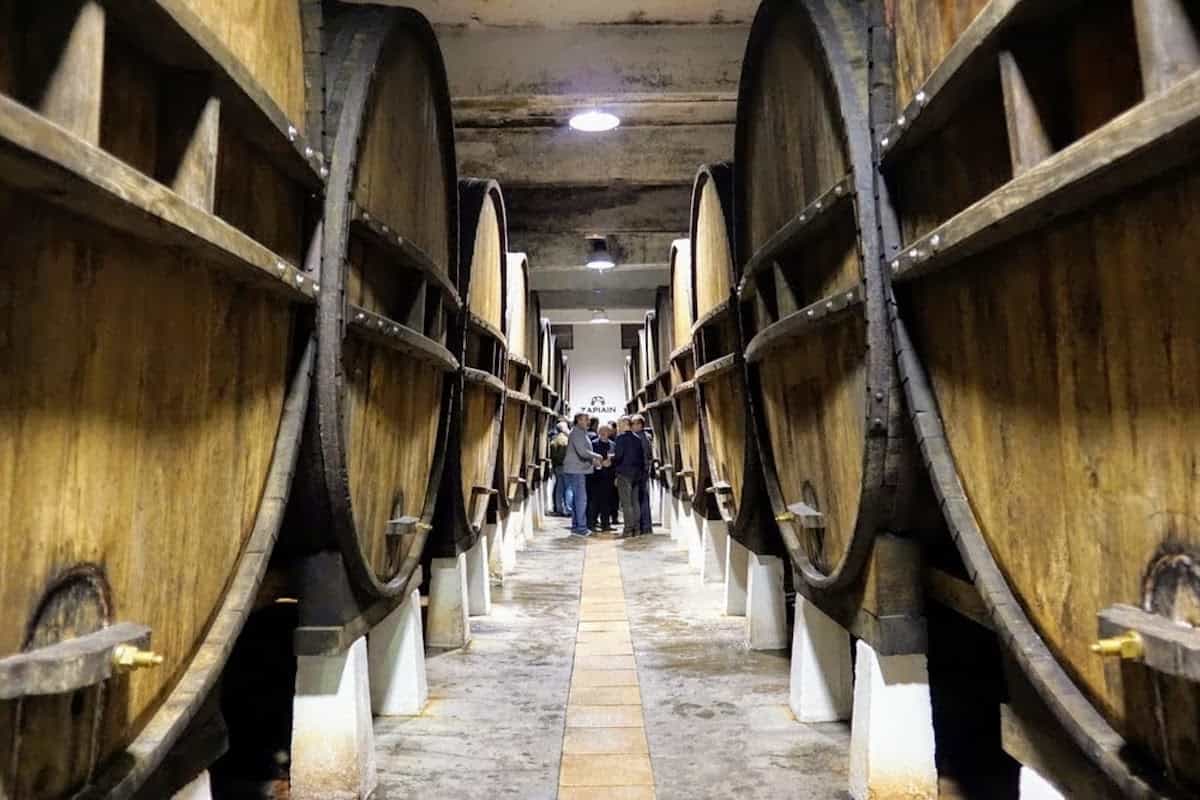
629,460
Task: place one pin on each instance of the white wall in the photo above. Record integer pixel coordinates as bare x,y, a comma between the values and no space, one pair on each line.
597,370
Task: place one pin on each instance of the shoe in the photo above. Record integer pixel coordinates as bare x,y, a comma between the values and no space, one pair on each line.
607,529
581,533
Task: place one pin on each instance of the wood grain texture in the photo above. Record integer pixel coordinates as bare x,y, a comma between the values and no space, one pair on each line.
793,141
1069,372
812,408
925,32
516,306
487,274
167,382
403,176
712,252
267,37
512,448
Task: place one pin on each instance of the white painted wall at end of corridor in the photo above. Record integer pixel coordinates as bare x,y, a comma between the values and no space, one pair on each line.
597,379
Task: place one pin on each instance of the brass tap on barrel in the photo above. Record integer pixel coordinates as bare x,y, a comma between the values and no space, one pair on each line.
128,657
1128,646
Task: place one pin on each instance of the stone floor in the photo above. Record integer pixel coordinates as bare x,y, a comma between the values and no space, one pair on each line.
715,715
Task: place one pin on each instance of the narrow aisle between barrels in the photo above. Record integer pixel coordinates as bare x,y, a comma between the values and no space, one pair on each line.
608,670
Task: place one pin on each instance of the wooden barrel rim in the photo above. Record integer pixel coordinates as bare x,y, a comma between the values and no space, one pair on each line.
377,29
877,499
750,523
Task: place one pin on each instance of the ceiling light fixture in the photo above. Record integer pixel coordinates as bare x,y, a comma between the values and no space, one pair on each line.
599,316
594,121
598,257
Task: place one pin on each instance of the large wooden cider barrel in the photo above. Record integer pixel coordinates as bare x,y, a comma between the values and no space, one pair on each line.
481,346
154,365
511,466
735,489
384,372
659,408
818,346
691,467
1043,173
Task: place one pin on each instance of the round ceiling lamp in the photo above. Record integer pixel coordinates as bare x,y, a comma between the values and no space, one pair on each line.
597,256
594,121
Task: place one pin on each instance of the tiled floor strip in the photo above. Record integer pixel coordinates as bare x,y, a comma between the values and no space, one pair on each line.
605,754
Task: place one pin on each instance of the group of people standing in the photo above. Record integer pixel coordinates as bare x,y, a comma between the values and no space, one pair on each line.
595,467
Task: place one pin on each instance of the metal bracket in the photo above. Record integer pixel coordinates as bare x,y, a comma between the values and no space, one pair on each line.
70,664
1166,646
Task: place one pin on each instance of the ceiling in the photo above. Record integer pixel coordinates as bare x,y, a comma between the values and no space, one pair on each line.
519,70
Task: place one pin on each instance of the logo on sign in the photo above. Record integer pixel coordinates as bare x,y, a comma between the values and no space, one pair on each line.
598,405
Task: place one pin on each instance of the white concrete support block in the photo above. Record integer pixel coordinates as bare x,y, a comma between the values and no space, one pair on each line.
695,541
1034,787
891,735
333,744
396,655
656,502
737,565
676,522
766,606
479,584
200,788
449,603
822,685
515,526
713,542
666,502
538,507
509,525
494,533
526,522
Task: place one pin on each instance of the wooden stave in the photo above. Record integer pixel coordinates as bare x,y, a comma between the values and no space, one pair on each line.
511,461
840,30
454,521
751,526
693,488
1056,681
145,737
663,412
363,36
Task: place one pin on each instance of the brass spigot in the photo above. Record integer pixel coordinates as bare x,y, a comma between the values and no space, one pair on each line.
785,516
128,657
1128,646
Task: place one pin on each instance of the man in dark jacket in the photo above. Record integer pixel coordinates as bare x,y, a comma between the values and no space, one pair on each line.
645,526
629,461
601,511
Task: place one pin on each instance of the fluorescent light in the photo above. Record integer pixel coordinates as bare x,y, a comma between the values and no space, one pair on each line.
594,121
599,316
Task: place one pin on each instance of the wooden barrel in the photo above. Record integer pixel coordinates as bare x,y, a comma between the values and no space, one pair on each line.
154,365
1047,284
691,467
384,372
511,467
659,408
736,481
481,346
818,347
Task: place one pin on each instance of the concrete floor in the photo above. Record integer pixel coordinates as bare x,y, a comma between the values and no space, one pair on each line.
716,715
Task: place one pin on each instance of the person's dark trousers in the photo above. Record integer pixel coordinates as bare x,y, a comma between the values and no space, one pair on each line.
594,500
643,500
608,508
627,490
578,486
560,493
